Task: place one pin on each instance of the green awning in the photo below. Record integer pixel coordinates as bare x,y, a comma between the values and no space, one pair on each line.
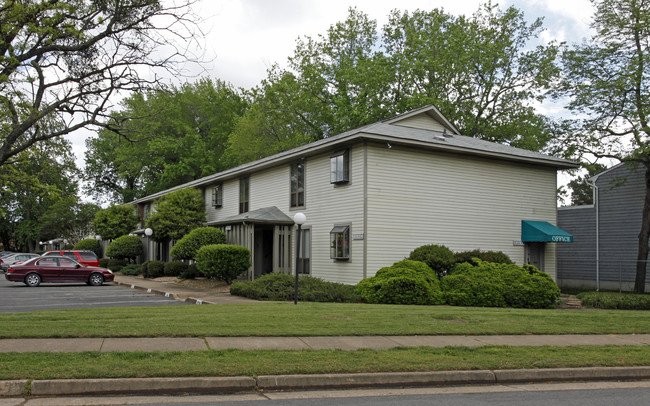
543,231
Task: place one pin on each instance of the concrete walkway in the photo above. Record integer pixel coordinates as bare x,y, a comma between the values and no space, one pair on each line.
348,343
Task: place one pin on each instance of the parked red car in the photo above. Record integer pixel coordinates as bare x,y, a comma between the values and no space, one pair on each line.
82,256
57,269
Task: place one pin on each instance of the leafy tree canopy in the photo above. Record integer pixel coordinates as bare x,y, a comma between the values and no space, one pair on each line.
61,60
176,214
175,135
115,221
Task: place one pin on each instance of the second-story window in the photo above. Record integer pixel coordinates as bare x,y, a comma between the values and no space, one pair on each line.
243,194
298,184
217,195
340,167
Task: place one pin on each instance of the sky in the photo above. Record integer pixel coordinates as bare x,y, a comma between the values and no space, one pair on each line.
244,38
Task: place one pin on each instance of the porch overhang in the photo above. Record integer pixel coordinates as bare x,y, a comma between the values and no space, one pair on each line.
543,231
267,215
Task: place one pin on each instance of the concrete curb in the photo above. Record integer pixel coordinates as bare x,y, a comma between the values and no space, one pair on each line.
57,387
163,293
270,383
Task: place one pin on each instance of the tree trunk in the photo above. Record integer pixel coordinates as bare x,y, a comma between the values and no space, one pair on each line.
644,234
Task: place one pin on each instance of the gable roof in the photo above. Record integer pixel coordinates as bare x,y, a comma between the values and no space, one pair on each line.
391,130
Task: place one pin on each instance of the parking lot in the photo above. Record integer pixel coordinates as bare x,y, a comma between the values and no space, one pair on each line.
16,297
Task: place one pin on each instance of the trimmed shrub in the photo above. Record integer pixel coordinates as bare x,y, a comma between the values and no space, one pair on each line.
89,244
406,282
187,247
153,269
223,262
115,264
103,262
487,256
437,257
499,285
175,268
190,273
125,247
615,300
131,270
281,287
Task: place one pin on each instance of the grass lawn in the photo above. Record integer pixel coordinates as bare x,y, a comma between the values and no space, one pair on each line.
315,319
254,363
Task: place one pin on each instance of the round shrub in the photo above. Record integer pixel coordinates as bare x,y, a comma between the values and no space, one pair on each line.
487,256
187,247
175,268
499,285
223,262
437,257
103,262
153,269
125,247
89,244
396,286
115,264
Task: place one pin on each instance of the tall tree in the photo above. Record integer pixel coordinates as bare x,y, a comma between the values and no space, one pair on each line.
39,183
175,135
485,73
64,61
608,81
176,214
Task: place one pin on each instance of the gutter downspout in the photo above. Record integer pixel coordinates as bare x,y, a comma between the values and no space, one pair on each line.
596,205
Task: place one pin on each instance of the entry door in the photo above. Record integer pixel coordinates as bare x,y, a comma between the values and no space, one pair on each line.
263,251
535,254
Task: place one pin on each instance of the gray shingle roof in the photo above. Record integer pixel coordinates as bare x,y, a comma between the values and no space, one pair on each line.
388,130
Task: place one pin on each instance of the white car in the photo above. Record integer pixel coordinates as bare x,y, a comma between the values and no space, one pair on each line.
11,259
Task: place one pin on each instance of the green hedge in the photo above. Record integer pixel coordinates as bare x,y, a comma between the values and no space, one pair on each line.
115,264
187,247
281,287
90,244
125,247
488,256
153,269
612,300
175,268
437,257
131,270
103,262
223,262
499,285
406,282
190,273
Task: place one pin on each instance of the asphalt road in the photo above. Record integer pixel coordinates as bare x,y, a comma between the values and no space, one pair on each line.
16,297
569,394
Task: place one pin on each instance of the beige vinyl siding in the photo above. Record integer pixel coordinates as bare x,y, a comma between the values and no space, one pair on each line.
270,188
327,204
421,121
463,202
230,205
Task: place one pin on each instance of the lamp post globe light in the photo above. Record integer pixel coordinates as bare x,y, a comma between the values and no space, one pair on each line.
299,219
148,232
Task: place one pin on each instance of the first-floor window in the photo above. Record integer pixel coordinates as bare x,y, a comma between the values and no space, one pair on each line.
304,255
340,242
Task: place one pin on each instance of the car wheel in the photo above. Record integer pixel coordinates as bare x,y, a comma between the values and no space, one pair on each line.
32,280
96,279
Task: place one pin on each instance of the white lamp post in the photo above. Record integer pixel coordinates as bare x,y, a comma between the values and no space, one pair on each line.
299,219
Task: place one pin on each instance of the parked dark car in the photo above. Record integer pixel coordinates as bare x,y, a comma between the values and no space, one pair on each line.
8,260
57,269
82,256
